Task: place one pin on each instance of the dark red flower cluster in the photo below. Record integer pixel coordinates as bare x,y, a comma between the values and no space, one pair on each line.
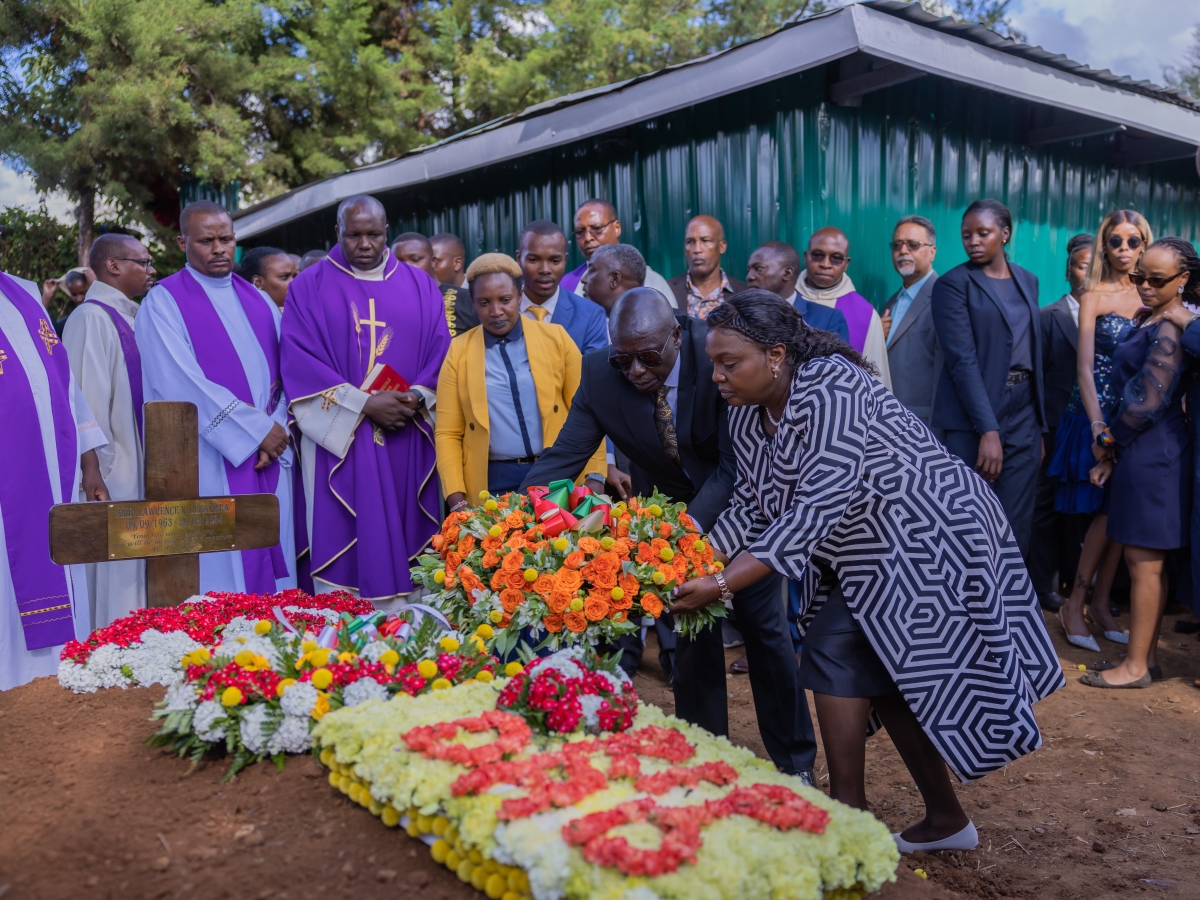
201,621
430,740
551,701
254,684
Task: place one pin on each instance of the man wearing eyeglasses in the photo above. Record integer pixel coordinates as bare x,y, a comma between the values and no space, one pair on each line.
597,225
824,281
651,392
914,355
104,357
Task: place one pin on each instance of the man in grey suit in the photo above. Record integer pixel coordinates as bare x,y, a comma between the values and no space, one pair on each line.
914,355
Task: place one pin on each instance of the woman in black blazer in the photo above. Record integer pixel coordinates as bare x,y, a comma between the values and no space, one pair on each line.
989,400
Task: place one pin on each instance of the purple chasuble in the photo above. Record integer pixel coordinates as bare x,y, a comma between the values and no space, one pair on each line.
857,310
218,361
133,359
377,509
26,493
571,280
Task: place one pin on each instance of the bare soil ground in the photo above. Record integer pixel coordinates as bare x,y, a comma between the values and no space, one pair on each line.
1103,810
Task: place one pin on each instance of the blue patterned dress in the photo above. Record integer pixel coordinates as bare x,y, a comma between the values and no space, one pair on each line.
1073,458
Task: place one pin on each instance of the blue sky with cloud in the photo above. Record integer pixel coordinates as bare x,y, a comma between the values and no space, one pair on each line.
1136,39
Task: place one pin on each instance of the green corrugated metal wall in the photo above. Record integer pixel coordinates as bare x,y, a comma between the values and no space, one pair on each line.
777,162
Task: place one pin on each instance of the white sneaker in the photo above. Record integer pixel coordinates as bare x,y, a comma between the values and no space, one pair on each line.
967,839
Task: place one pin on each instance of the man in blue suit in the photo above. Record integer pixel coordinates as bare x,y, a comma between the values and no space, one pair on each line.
542,254
774,267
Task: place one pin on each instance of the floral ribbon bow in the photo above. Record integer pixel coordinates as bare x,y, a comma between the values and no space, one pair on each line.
589,511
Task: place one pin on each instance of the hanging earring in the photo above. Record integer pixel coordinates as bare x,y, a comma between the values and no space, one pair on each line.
775,372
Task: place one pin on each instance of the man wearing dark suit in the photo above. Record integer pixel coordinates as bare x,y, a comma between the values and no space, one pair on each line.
774,267
542,255
1057,538
914,355
417,250
989,398
704,284
650,391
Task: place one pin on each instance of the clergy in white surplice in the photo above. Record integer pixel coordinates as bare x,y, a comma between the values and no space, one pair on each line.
99,339
48,457
209,337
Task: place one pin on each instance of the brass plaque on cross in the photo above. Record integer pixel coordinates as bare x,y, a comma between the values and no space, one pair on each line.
139,529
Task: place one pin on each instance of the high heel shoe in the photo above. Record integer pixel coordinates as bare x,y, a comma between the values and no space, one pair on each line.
1117,637
1086,642
967,839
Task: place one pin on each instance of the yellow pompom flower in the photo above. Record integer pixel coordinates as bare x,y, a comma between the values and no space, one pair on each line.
496,616
576,604
283,686
389,657
666,554
427,668
390,816
617,593
485,631
607,543
620,508
439,576
321,679
720,566
658,578
494,886
441,684
531,575
308,646
491,505
654,509
561,544
513,668
495,531
262,626
483,495
920,873
319,657
477,643
347,656
448,644
201,654
439,851
484,676
698,547
231,696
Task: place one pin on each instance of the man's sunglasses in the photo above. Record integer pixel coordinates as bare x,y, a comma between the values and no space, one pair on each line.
651,359
836,258
596,231
911,246
1139,279
1115,241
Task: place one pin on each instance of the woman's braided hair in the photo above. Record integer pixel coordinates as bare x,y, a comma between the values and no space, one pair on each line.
763,318
1186,252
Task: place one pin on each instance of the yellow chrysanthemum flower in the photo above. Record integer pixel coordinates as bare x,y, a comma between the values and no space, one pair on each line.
448,644
658,578
441,684
617,593
347,656
491,505
496,616
439,576
262,626
321,679
485,631
495,531
654,509
576,604
607,542
513,668
484,676
561,544
231,696
389,657
666,554
427,668
531,575
308,646
483,495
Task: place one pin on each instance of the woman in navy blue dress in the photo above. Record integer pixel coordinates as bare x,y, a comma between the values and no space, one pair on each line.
1149,474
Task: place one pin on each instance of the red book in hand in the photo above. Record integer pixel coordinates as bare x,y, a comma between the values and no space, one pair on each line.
384,378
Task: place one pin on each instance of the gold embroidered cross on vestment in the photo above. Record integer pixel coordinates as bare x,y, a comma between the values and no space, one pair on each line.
49,338
3,357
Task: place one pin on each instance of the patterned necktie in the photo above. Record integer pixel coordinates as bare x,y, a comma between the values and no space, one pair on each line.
538,312
664,421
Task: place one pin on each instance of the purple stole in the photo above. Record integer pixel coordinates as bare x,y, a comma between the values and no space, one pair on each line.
26,493
571,280
133,359
218,360
857,310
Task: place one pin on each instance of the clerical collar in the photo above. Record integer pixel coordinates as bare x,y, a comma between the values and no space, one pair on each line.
110,296
375,274
209,281
490,340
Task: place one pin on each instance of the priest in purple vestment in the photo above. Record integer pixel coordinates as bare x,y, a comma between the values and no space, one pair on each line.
367,457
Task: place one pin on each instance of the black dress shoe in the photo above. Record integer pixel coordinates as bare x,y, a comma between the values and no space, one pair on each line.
740,666
1184,626
1052,602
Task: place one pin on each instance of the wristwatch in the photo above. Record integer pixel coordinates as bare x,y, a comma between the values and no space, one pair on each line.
726,593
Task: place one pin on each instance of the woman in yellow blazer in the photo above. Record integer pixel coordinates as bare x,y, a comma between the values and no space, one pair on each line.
504,390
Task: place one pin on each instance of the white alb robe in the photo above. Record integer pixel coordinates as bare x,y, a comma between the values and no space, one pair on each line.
18,665
98,366
229,429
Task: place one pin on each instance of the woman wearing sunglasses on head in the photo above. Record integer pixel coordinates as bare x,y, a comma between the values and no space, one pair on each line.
1150,479
1106,311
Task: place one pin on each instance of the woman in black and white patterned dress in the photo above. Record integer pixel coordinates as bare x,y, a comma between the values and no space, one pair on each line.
924,612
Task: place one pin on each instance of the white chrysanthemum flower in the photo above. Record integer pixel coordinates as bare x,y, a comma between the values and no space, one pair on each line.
328,615
105,664
565,662
181,697
641,892
205,720
373,650
536,845
254,727
237,641
291,736
299,700
157,658
363,690
590,703
77,678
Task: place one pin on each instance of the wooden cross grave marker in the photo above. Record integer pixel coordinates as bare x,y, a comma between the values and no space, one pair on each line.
174,524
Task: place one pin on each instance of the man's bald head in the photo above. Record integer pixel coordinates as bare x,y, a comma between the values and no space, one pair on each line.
360,205
827,234
362,231
703,246
827,258
774,267
201,209
415,249
645,337
449,258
